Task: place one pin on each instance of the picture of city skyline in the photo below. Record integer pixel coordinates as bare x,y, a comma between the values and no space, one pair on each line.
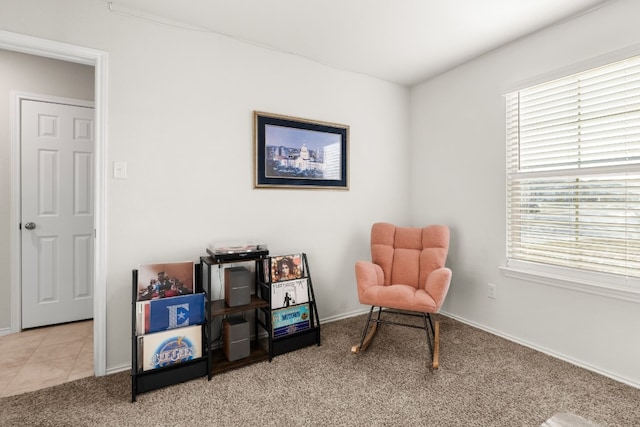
293,152
302,153
294,138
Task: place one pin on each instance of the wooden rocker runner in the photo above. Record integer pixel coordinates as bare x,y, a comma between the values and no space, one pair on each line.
406,276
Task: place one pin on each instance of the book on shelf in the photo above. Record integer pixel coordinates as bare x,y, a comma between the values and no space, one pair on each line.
170,347
164,280
289,320
289,292
169,313
286,267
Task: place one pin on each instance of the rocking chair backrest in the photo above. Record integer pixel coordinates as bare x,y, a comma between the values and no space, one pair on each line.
407,254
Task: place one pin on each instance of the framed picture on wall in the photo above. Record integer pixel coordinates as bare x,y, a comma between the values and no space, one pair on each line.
299,153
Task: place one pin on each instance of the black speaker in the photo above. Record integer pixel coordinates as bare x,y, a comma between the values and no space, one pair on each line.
236,338
237,286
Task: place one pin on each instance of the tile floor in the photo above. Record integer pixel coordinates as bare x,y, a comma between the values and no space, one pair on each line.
44,357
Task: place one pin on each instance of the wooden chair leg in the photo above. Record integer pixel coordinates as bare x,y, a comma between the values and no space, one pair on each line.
367,340
368,333
436,345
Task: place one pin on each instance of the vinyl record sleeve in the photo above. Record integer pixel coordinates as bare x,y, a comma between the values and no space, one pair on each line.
287,321
290,292
142,317
171,347
175,312
165,280
169,313
286,267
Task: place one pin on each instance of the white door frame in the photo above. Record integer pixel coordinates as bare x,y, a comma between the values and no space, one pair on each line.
98,59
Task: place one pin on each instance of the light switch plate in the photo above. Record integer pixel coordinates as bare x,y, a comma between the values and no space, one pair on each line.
120,170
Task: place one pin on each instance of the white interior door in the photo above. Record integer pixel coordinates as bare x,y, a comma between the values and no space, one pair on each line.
56,212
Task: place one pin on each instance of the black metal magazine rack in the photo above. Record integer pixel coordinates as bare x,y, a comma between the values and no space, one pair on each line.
291,316
144,381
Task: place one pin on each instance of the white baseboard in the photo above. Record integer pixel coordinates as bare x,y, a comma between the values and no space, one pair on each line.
544,350
116,369
344,315
5,331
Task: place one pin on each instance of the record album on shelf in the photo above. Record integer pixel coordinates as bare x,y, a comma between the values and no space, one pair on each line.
165,280
287,267
290,320
169,313
169,347
289,292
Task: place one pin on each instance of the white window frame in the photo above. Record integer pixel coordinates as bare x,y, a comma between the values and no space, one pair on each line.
602,284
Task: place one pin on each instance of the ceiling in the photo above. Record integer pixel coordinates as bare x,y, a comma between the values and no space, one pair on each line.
401,41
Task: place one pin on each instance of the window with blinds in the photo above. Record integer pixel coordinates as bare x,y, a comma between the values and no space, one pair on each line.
573,171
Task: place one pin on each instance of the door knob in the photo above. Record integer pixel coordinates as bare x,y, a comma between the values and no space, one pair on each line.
30,225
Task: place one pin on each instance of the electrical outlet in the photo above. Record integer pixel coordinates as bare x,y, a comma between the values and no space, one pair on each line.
491,290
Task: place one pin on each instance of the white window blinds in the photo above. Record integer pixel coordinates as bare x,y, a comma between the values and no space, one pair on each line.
573,171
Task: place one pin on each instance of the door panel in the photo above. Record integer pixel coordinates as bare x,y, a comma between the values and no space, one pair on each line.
57,197
47,286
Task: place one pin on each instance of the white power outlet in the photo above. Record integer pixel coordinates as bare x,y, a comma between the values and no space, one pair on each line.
491,290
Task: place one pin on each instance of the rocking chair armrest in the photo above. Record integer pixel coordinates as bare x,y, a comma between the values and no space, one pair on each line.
368,274
437,285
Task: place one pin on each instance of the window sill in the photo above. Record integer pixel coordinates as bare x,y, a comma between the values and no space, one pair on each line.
603,285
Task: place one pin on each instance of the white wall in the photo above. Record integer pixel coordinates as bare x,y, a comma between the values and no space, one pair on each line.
458,141
179,113
31,74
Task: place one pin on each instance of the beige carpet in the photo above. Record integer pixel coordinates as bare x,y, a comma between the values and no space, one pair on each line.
483,380
565,419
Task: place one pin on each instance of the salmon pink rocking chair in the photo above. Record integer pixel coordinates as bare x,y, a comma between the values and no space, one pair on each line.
406,275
